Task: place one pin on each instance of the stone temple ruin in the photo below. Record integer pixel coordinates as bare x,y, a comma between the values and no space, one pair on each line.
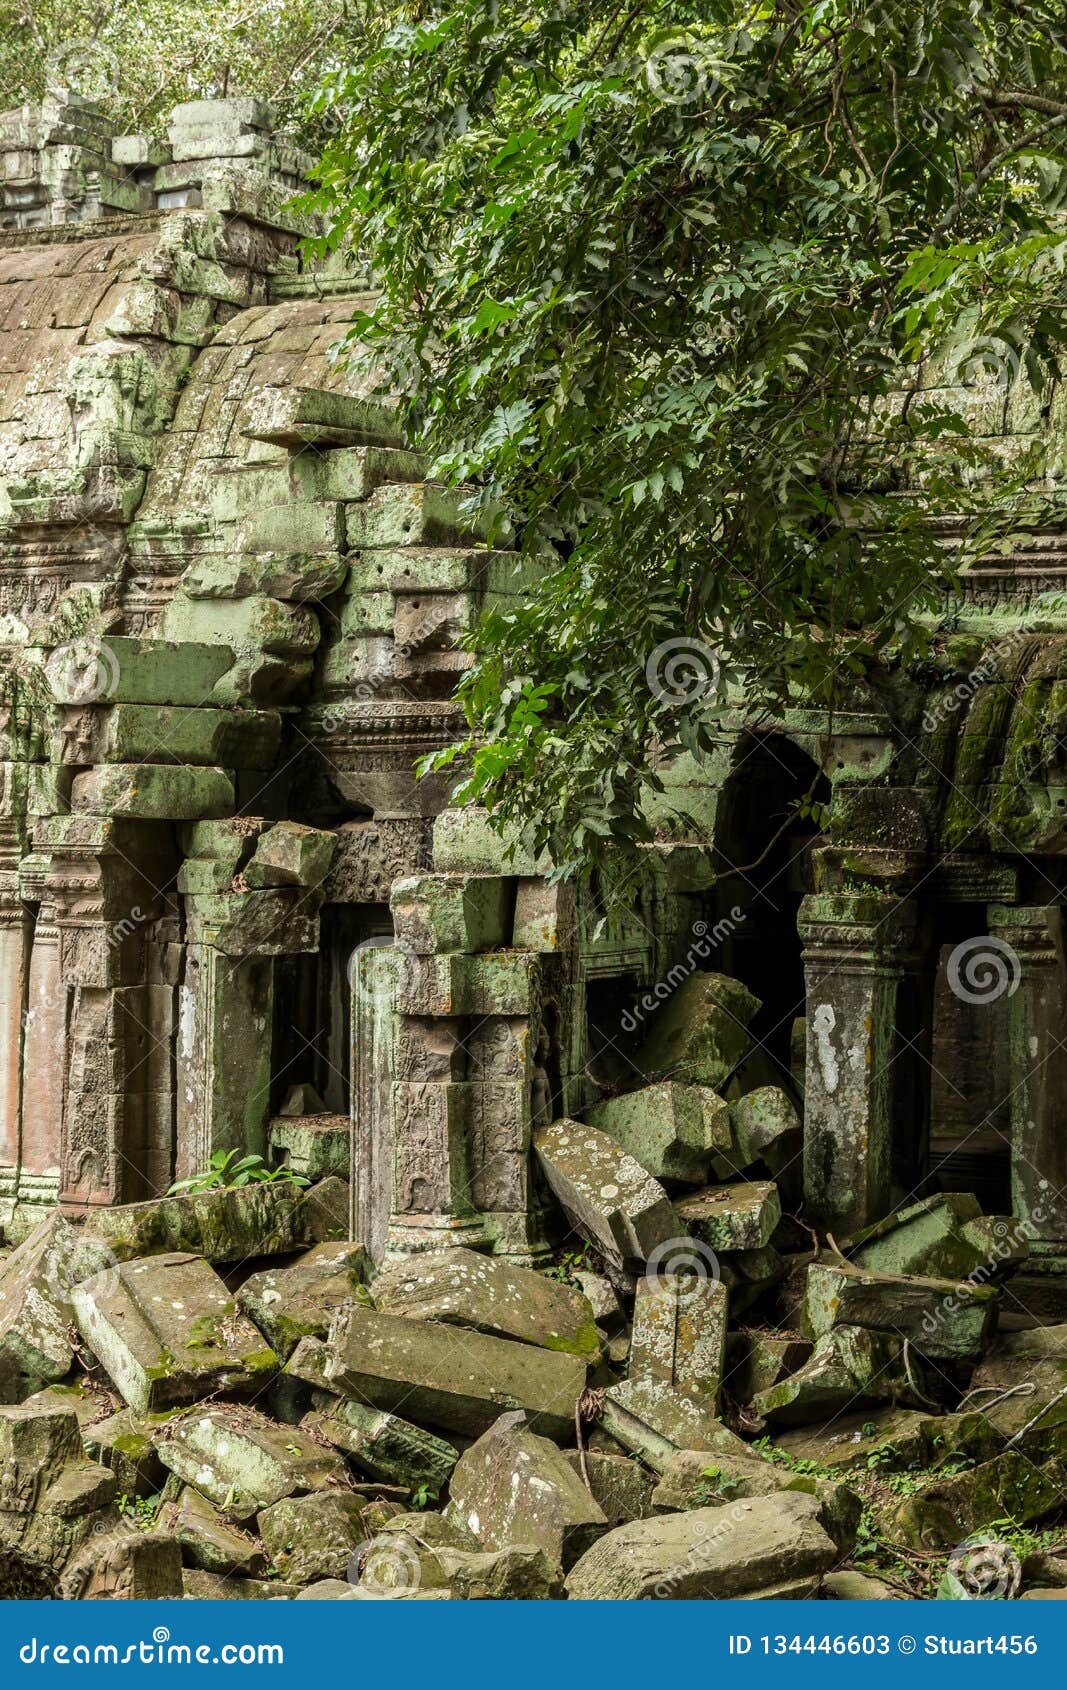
232,613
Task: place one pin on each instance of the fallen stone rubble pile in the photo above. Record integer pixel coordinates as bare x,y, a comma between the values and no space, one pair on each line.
217,1395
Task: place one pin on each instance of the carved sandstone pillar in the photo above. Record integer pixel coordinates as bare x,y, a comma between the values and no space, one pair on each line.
1024,985
857,955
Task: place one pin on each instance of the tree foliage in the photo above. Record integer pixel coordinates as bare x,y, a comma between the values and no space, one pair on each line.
142,57
661,283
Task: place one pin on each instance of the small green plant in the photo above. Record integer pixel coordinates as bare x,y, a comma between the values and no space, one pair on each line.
715,1486
423,1496
570,1262
225,1173
140,1509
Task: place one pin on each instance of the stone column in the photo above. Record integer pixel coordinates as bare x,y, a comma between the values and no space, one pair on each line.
373,973
225,1016
857,951
16,928
43,1057
1025,985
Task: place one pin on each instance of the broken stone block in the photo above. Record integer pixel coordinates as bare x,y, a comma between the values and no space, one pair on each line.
123,1444
710,1478
227,1587
36,1314
124,1566
765,1128
313,1537
52,1497
896,1438
404,1557
701,1034
134,671
732,1217
518,1573
311,1145
755,1546
848,1366
233,1225
449,1377
296,1302
513,1487
207,1540
602,1298
672,1130
1037,1418
621,1488
167,1332
153,791
328,1590
944,1319
383,1446
442,913
850,1586
242,1462
289,854
942,1237
607,1196
749,1274
488,1294
757,1360
654,1420
1009,1487
679,1333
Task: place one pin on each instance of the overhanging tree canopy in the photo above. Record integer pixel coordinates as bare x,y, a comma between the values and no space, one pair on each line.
657,281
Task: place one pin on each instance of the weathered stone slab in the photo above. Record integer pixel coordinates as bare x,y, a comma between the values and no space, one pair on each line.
517,1573
699,1478
438,913
701,1034
621,1488
673,1130
607,1195
944,1237
313,1537
311,1145
452,1378
848,1366
289,854
732,1217
36,1313
124,1444
207,1540
167,1332
124,1566
679,1333
948,1320
1009,1487
222,1226
1037,1358
757,1360
708,1552
766,1128
153,791
383,1446
53,1497
296,1302
242,1462
133,671
513,1487
654,1420
488,1294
